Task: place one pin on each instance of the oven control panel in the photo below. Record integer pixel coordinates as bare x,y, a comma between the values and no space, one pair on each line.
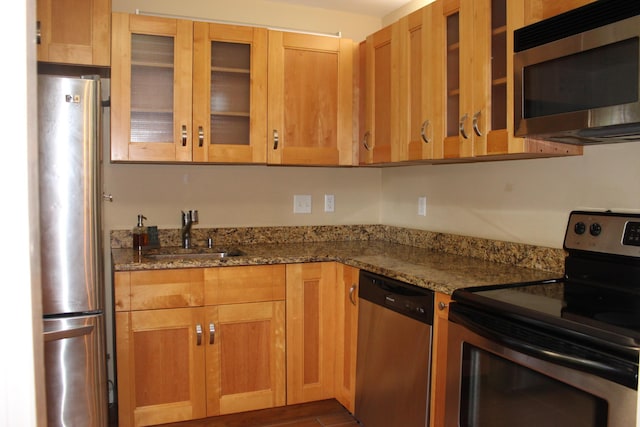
604,232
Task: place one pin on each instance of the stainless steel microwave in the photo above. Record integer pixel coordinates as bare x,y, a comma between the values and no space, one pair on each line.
577,75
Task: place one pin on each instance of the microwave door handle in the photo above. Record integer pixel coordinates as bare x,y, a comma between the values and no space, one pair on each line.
606,369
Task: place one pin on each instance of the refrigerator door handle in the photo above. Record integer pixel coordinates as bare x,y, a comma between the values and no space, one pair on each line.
67,333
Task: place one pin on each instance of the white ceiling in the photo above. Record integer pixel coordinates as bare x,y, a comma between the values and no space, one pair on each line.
378,8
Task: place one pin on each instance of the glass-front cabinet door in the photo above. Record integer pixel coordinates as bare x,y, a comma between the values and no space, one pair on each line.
229,93
499,130
475,77
151,89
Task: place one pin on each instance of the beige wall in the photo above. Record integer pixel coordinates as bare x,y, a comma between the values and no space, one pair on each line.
236,196
404,10
520,201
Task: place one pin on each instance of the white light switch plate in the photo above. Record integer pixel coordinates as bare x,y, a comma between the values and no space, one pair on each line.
329,203
301,203
422,206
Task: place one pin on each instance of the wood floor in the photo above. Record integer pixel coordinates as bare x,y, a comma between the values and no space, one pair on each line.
325,413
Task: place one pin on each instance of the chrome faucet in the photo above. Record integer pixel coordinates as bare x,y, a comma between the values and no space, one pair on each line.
188,218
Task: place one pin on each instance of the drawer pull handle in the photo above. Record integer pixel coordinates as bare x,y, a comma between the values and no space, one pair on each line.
276,139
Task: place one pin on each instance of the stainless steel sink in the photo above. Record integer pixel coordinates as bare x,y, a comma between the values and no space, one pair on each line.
193,253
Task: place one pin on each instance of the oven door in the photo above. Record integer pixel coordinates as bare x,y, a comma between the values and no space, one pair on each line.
490,384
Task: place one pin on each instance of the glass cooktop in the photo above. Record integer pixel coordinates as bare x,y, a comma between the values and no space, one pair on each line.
590,312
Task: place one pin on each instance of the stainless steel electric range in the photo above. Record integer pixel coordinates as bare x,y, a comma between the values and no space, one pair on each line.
557,353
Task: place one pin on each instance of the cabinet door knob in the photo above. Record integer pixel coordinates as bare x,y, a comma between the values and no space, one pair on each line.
38,33
198,334
476,116
352,294
276,139
200,136
463,132
442,305
212,333
423,131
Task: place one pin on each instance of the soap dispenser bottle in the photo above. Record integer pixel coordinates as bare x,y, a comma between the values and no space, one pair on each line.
140,234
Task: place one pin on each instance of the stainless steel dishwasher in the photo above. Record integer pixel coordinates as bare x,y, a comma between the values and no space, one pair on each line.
394,353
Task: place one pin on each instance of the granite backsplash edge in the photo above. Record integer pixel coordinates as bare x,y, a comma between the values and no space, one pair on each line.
519,254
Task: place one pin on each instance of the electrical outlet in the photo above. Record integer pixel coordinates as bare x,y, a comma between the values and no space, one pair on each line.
301,203
329,203
422,206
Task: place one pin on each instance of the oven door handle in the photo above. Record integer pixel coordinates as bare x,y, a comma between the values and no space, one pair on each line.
607,366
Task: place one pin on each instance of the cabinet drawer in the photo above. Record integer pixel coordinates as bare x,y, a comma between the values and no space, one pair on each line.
145,290
234,285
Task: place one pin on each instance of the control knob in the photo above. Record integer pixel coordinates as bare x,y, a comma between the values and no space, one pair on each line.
595,229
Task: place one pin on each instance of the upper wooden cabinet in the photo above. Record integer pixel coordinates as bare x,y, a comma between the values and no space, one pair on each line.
229,93
478,83
310,111
475,76
421,71
537,10
381,87
186,91
403,108
74,31
151,89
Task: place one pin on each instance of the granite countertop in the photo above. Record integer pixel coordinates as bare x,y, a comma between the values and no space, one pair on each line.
438,271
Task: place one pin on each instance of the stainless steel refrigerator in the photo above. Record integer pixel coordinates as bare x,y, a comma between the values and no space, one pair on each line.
69,117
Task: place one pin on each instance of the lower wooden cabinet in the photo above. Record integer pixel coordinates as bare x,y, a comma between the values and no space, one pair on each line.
322,317
160,366
311,331
180,363
194,343
439,359
245,358
346,335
